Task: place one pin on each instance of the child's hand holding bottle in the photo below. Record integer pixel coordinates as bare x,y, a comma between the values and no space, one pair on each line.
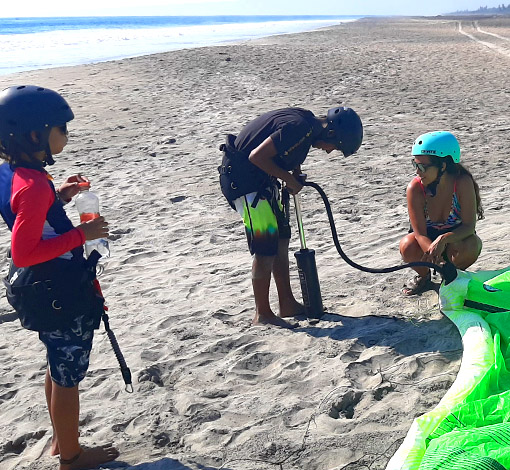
93,225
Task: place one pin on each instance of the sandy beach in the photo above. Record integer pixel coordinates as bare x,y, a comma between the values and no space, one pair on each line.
211,391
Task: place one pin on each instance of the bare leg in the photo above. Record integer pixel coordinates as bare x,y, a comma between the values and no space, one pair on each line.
261,280
64,410
48,387
411,251
464,253
289,306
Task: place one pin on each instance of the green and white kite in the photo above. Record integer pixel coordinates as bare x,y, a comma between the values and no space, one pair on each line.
470,427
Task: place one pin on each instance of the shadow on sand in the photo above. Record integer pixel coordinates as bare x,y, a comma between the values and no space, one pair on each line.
166,463
405,335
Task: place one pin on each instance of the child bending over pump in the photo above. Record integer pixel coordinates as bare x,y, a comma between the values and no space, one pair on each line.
443,202
270,148
50,284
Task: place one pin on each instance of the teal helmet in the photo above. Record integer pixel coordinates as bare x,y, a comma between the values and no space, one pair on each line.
438,144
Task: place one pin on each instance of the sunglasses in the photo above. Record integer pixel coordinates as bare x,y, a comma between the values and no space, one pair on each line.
64,129
420,166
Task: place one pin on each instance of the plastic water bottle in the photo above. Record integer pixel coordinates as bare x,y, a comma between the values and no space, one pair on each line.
87,204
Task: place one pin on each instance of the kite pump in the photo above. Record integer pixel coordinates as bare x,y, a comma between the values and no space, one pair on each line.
308,277
307,268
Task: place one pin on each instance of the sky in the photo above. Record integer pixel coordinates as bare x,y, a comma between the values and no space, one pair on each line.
237,7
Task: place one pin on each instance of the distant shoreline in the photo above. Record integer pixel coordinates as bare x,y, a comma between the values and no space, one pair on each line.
35,43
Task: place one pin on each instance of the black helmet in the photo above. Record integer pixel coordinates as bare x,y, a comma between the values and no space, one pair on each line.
344,130
28,108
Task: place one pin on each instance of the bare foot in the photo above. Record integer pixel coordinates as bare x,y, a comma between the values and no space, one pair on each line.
90,458
292,309
273,320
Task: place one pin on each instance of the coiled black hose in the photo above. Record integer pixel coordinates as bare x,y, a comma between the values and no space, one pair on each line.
447,271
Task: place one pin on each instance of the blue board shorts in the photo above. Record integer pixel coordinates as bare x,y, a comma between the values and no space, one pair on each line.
68,351
266,223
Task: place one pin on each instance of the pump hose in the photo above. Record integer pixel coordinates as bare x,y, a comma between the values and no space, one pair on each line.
126,373
448,271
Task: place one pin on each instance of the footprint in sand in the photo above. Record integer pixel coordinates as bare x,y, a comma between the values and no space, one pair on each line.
18,445
345,407
151,374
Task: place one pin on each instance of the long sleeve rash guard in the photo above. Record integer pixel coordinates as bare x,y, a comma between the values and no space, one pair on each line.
34,239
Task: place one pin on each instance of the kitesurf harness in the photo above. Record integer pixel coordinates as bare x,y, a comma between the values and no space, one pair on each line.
447,271
239,176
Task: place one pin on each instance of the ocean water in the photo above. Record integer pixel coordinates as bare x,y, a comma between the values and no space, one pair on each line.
36,43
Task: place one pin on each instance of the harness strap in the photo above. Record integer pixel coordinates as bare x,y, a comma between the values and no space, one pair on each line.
238,176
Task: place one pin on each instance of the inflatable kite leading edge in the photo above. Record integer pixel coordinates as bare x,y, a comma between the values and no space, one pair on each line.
469,429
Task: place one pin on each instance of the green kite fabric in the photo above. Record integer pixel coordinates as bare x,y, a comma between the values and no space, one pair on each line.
470,427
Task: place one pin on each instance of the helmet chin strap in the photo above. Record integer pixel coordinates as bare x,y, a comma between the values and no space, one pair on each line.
42,144
327,133
49,157
432,187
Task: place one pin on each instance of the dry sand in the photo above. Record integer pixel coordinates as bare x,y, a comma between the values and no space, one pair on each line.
211,390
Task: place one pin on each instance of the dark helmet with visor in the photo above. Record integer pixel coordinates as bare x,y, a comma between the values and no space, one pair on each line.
28,108
344,130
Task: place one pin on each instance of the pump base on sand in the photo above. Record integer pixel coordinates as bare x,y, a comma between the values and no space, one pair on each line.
309,280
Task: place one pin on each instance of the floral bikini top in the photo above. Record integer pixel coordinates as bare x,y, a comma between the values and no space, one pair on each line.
453,219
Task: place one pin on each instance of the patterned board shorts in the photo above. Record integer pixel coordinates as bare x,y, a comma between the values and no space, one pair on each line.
68,352
265,224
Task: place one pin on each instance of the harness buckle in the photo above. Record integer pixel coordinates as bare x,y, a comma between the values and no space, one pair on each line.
40,286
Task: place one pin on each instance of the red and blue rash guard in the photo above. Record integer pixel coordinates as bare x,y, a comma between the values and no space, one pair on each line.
41,230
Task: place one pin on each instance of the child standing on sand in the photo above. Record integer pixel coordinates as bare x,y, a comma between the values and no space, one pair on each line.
33,128
272,147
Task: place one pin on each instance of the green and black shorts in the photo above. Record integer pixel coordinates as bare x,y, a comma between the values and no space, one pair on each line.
266,223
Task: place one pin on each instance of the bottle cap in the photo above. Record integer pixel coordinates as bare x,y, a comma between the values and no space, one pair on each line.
84,185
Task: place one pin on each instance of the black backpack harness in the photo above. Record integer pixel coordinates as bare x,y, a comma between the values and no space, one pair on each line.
238,176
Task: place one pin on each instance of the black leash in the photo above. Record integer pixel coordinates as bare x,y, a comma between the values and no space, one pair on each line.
447,271
124,369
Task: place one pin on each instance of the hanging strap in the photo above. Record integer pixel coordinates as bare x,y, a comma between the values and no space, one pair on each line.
124,369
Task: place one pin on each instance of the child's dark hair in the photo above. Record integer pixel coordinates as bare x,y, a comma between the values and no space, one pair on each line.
456,169
11,156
